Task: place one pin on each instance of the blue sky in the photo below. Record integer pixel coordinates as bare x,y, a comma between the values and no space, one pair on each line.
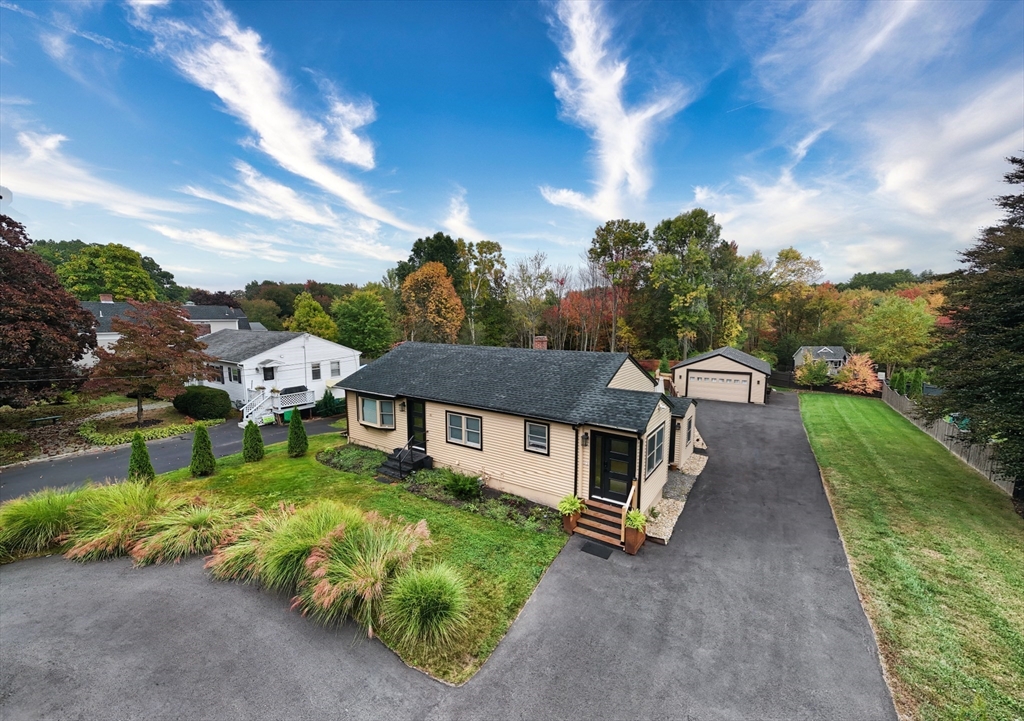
239,141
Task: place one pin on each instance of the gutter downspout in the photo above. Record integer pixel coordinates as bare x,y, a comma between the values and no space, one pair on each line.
576,463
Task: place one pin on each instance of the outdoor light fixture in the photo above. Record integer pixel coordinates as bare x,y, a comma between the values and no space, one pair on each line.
586,438
401,406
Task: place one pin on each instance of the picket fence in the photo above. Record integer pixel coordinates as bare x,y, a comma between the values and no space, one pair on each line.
980,458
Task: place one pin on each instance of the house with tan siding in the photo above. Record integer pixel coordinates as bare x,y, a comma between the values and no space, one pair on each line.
540,424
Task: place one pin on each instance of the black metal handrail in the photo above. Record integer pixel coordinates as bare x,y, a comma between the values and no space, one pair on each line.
403,449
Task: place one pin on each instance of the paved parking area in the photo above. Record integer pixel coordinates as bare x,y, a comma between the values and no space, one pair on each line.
749,613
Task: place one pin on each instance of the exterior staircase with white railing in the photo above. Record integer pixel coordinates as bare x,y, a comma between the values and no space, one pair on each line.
265,405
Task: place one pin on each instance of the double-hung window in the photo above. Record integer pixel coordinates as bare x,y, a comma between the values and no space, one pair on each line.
655,449
379,413
316,371
689,430
236,374
218,374
464,430
537,437
335,369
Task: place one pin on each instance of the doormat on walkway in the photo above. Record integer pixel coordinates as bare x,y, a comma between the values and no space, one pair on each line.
596,549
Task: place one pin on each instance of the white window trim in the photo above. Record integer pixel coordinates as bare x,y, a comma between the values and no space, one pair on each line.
335,369
379,423
463,442
315,371
650,445
546,451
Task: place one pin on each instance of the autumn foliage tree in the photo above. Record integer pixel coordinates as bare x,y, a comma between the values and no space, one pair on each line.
434,311
111,268
813,373
859,376
310,317
156,354
44,329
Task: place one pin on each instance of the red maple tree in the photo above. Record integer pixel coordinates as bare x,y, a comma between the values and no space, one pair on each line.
156,355
45,330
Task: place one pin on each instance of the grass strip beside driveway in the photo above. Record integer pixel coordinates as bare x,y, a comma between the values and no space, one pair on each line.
501,561
936,551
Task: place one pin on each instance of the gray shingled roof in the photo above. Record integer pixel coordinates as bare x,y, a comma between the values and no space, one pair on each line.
732,354
106,312
237,345
563,386
679,405
834,352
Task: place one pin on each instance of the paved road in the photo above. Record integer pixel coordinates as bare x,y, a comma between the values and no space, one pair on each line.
749,613
167,454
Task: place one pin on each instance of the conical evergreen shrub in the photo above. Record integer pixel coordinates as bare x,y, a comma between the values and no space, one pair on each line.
297,441
140,468
252,443
203,463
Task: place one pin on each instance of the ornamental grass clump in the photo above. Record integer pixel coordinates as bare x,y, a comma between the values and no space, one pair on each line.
112,519
184,531
351,571
283,562
239,557
428,605
39,521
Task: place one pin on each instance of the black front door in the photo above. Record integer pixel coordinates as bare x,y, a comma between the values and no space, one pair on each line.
418,425
612,466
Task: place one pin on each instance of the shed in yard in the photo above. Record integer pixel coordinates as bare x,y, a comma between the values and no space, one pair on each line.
724,374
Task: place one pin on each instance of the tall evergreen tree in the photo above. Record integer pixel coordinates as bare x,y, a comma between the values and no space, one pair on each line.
140,468
203,462
979,363
252,443
298,443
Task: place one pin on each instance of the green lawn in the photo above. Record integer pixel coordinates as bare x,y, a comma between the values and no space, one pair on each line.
938,555
501,561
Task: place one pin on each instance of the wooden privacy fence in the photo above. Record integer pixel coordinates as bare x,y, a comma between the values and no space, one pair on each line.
980,458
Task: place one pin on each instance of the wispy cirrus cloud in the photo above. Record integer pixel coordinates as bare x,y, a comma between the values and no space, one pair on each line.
458,222
232,62
259,195
243,245
590,85
44,171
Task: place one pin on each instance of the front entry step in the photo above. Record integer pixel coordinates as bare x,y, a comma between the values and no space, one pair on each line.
402,462
601,521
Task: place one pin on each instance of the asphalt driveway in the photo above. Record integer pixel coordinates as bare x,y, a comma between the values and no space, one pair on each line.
749,613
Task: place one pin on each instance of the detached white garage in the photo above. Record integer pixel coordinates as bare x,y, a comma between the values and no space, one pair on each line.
725,374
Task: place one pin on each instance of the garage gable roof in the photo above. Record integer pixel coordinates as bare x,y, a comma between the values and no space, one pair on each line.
732,354
563,386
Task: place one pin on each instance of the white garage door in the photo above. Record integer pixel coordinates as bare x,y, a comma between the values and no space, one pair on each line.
718,386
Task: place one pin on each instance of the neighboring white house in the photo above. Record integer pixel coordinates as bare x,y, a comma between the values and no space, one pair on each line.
835,355
272,371
210,318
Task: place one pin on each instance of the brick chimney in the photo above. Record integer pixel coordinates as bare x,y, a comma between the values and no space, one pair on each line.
106,298
540,342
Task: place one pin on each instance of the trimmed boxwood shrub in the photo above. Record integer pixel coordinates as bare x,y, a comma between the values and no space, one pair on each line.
203,403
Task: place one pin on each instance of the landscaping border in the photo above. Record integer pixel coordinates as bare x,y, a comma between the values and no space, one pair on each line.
88,431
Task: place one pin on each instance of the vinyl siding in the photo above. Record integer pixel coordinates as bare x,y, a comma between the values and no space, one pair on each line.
758,379
631,378
650,486
503,461
378,438
684,450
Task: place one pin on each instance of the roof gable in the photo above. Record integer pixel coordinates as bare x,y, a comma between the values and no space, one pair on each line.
732,354
565,386
821,351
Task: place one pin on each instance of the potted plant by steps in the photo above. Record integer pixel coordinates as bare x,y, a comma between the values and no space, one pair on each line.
636,523
571,509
